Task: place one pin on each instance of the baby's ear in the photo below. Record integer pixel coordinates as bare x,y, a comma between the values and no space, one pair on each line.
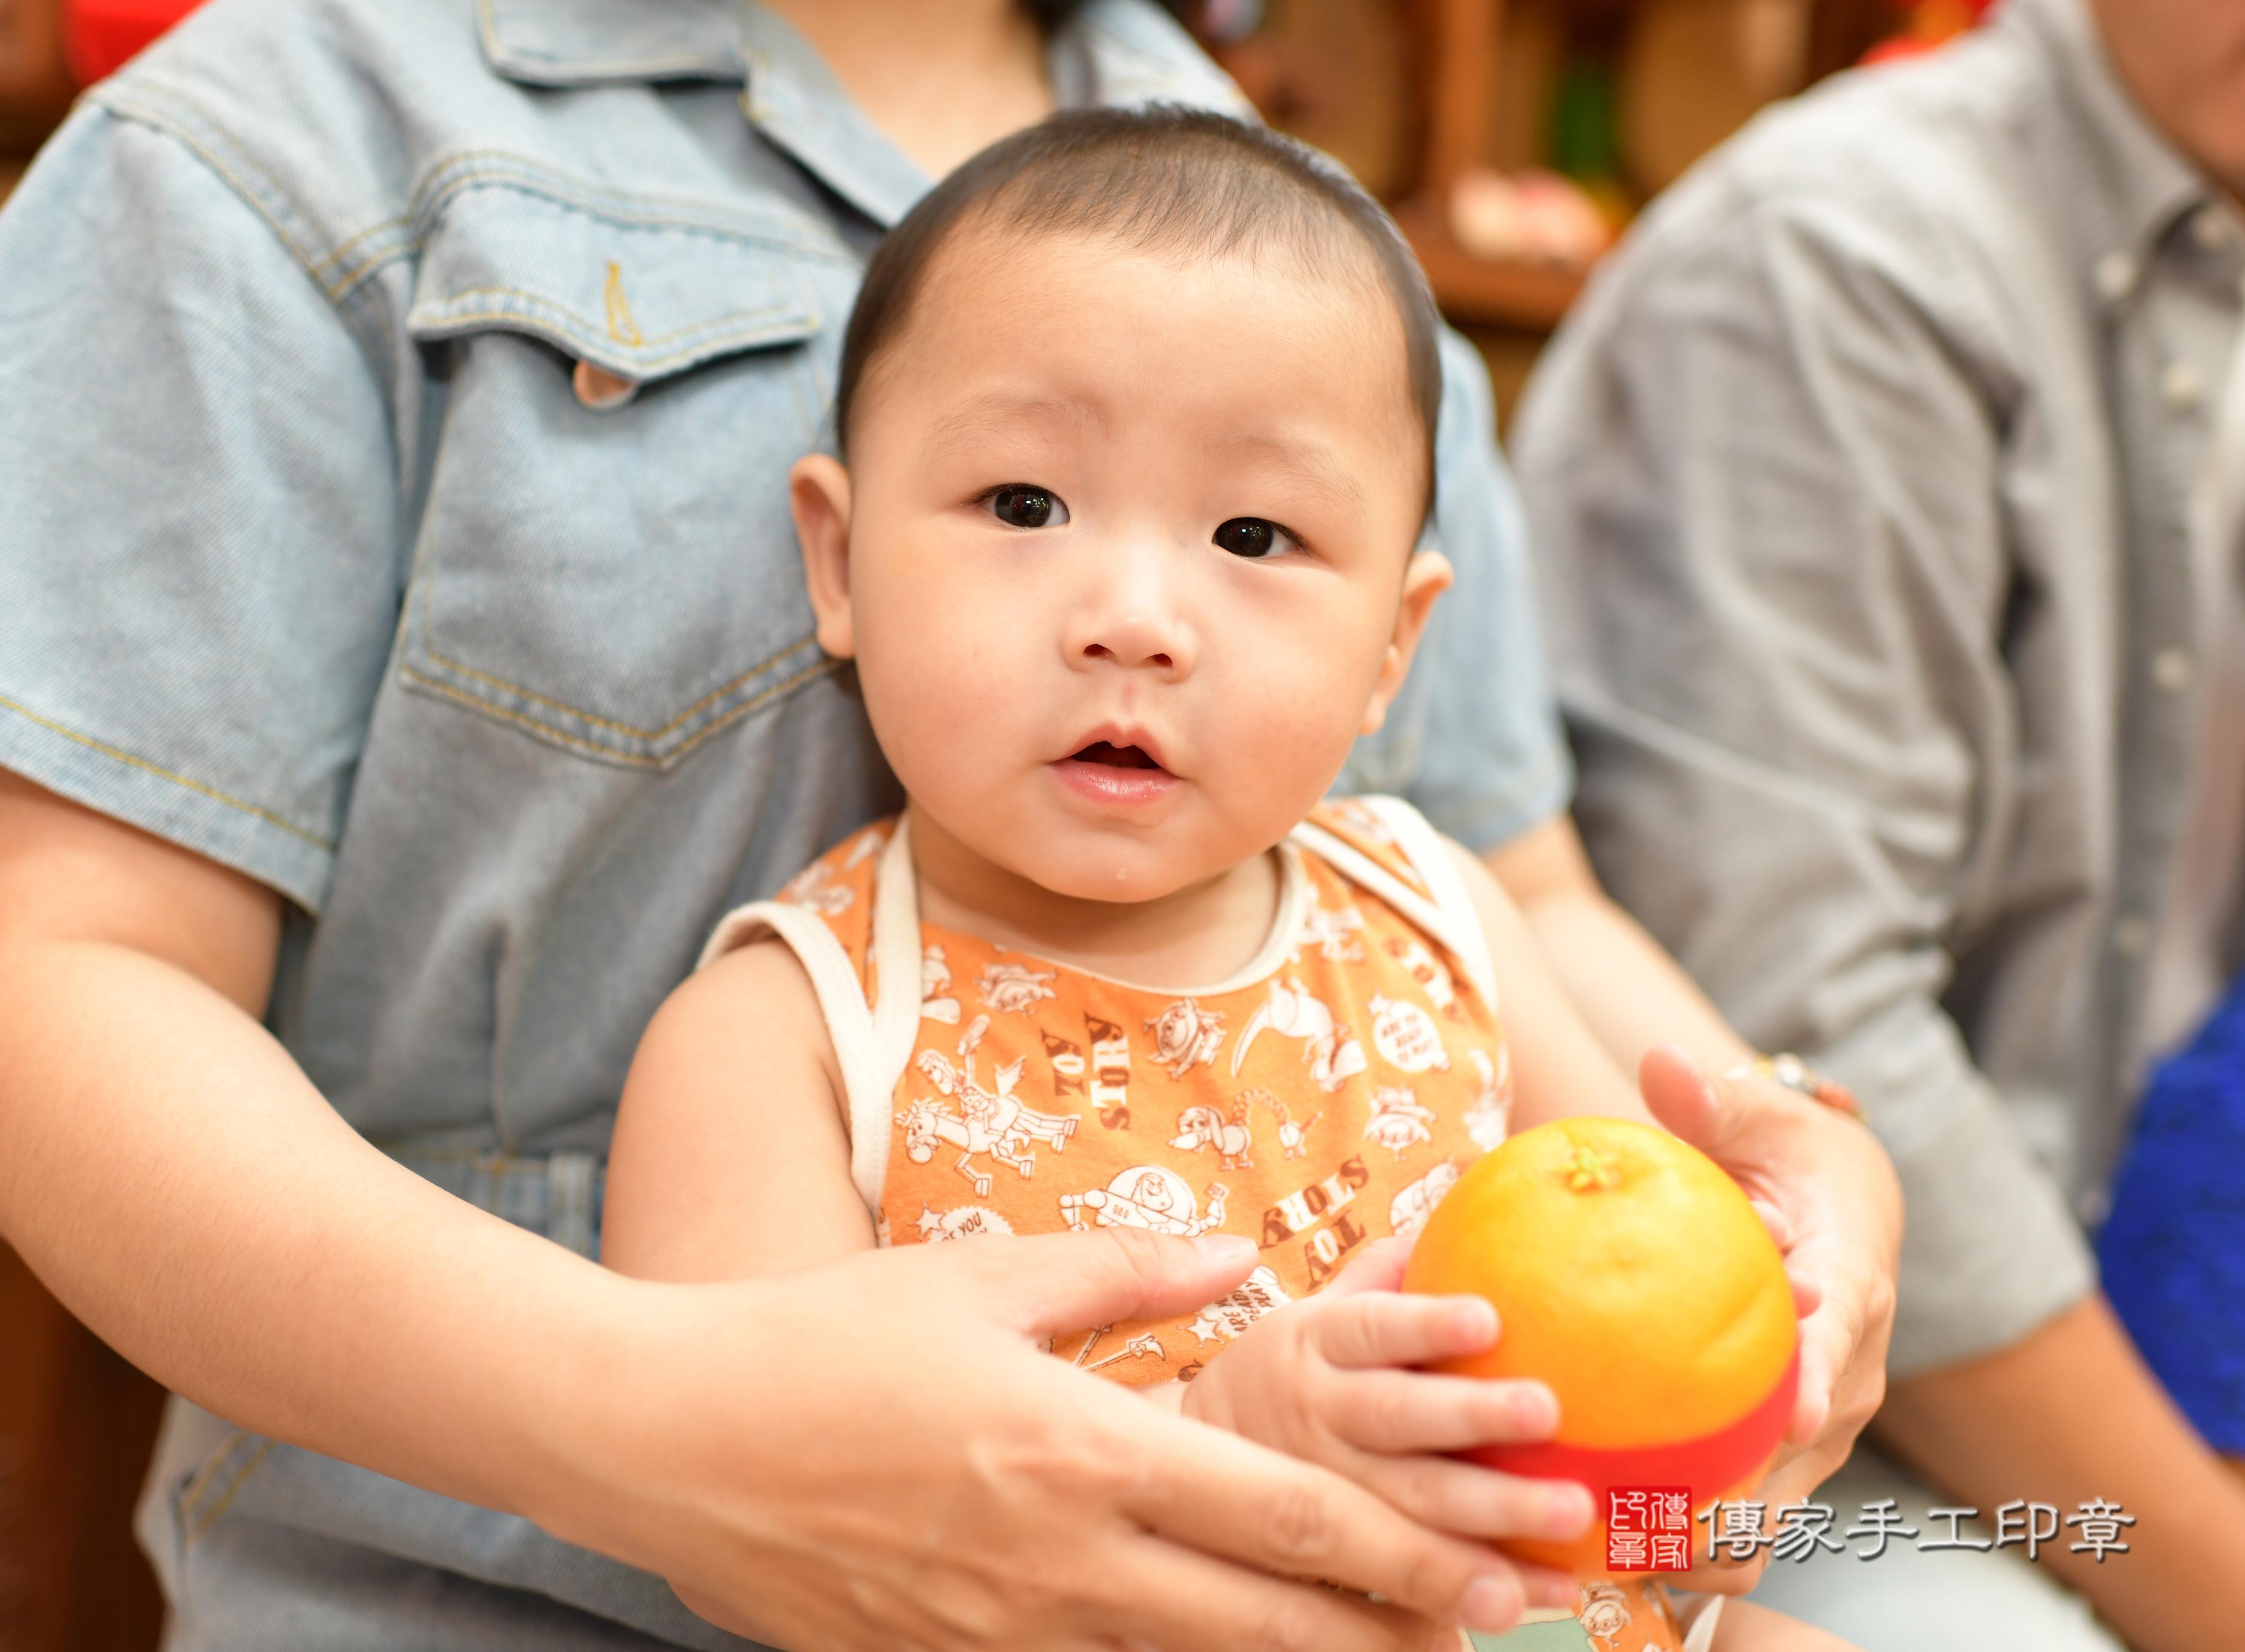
818,493
1425,577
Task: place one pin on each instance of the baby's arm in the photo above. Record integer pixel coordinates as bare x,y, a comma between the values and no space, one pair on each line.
1559,1067
731,1157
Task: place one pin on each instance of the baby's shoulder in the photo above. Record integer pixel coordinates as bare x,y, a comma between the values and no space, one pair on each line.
835,892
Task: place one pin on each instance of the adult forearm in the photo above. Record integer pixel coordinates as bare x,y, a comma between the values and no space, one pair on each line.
175,1179
2070,1413
1631,992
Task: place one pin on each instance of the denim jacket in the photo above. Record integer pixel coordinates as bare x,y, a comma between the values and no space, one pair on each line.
313,560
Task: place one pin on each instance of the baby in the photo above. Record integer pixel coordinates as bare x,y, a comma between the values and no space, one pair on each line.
1136,412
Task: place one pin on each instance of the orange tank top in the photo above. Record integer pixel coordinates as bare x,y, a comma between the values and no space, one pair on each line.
1328,1093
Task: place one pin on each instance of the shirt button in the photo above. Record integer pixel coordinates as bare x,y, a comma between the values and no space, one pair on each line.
2179,386
2132,936
599,389
2210,228
2092,1206
2171,669
2115,274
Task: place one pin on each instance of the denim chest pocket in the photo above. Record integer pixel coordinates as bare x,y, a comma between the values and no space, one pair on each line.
622,579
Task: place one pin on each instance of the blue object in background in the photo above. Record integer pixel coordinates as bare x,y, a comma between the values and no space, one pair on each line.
2172,1248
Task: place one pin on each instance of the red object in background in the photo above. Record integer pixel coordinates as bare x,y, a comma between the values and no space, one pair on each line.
1931,24
100,36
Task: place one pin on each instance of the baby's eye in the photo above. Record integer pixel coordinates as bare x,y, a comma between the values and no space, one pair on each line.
1252,536
1020,505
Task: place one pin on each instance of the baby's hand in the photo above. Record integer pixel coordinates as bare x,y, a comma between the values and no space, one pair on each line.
1328,1380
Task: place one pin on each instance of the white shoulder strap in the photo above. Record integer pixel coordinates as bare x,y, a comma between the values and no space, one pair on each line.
871,1044
1449,916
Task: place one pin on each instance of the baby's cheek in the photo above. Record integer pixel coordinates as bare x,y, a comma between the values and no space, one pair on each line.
1297,710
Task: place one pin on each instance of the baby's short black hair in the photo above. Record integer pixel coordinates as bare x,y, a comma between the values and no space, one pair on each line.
1157,177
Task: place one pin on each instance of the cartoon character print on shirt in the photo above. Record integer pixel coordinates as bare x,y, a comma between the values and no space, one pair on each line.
1631,1616
1277,1111
1428,970
1604,1613
1015,988
963,1222
1144,1345
1229,1315
1333,932
1405,1036
1149,1196
1408,1210
1203,1127
826,886
1293,1134
1330,1048
1398,1123
936,1002
1185,1037
988,1122
1491,1116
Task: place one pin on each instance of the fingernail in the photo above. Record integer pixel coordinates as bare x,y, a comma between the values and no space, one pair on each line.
1225,1247
1569,1510
1492,1604
1535,1410
1476,1322
1231,1249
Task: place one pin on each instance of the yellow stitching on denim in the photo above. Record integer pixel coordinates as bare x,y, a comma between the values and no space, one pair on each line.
153,117
211,793
211,1516
193,1489
446,318
740,338
622,327
364,235
634,68
625,729
547,731
556,189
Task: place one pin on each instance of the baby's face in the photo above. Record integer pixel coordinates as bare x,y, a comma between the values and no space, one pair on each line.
1124,552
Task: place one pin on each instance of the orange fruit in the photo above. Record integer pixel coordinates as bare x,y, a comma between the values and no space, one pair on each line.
1630,1274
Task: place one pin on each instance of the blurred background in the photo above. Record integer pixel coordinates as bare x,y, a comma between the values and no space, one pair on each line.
1514,140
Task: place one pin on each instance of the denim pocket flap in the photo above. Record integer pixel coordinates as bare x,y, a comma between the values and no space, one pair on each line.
638,287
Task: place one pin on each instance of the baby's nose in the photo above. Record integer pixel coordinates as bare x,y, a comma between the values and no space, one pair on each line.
1132,643
1134,636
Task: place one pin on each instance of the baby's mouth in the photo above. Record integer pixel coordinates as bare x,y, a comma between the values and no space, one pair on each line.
1114,757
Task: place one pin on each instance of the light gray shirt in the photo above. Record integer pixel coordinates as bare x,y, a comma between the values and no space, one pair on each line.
1861,484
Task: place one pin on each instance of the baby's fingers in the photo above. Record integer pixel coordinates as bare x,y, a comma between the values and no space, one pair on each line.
1473,1501
1387,1327
1395,1411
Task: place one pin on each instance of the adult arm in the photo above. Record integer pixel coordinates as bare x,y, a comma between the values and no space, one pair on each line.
1763,471
1473,741
173,1176
2070,1412
1832,1186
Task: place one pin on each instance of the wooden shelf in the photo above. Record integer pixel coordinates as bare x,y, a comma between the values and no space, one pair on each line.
1488,292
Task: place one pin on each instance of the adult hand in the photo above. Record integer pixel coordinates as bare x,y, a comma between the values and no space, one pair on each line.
1828,1194
877,1454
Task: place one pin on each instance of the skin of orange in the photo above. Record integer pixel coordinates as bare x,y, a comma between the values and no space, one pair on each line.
1628,1272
